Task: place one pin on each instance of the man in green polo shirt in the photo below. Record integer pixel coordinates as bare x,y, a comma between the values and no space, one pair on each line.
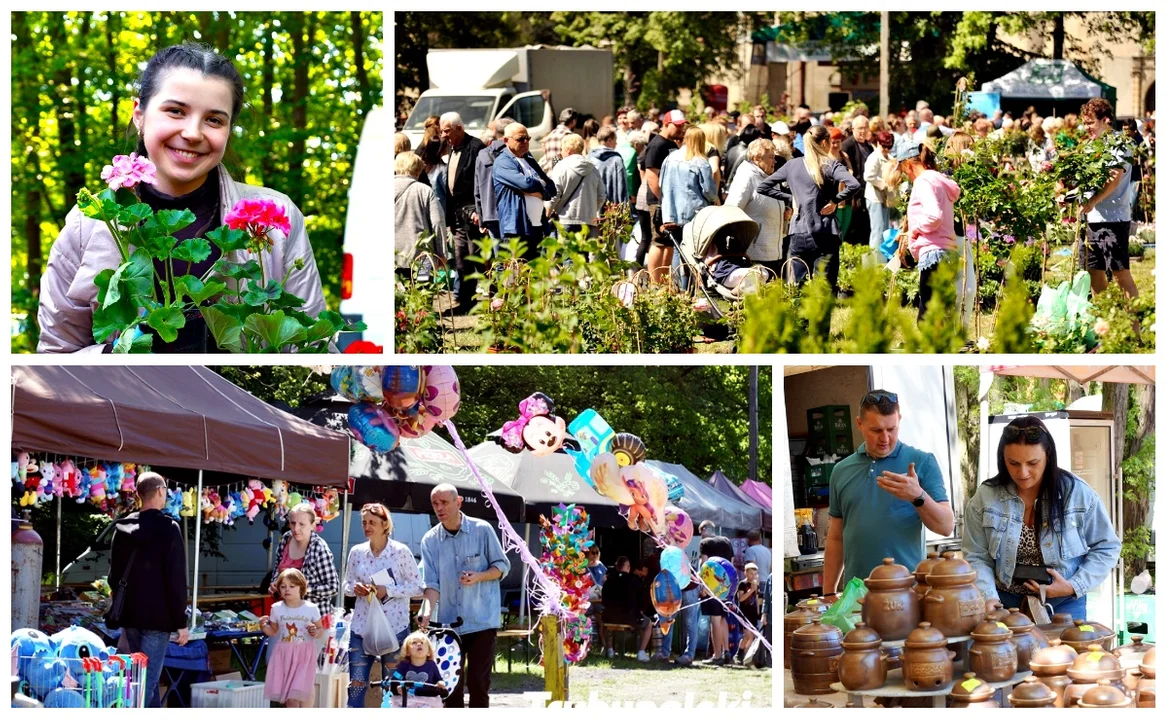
881,498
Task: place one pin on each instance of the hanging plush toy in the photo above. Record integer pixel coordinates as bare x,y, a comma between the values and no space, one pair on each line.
235,507
332,504
254,494
97,486
32,476
188,503
129,478
20,468
174,504
48,482
114,477
537,429
70,485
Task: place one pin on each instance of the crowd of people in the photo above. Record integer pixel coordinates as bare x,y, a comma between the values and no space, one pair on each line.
458,582
811,184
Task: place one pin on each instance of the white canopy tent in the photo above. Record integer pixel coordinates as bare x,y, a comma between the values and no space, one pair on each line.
1049,79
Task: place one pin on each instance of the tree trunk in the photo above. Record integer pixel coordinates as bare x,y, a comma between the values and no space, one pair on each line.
70,162
30,108
1115,401
112,24
1135,512
1074,391
268,161
969,435
1059,35
359,62
301,31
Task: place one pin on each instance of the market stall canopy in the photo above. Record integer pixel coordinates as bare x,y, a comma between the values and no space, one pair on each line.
727,487
176,416
545,482
403,478
1047,79
702,502
760,492
1082,374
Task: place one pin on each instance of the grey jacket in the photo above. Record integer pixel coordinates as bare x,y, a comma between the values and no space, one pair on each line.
416,212
579,194
85,247
611,165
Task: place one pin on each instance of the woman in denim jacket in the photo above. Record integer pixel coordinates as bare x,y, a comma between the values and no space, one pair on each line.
687,181
1035,513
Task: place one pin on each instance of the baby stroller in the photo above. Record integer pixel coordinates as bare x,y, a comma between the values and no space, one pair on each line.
712,244
448,657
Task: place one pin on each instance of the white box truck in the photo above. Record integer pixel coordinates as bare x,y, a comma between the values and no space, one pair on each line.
529,84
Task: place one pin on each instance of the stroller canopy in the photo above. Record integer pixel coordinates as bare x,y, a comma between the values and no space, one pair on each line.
715,220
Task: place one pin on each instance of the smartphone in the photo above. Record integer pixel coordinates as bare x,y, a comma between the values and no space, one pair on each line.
1037,573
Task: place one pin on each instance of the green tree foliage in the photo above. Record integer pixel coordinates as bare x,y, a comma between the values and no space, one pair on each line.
1012,330
940,330
868,327
310,80
281,384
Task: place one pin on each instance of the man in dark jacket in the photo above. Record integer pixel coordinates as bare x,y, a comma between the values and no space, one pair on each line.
611,165
521,186
623,596
485,184
147,554
461,217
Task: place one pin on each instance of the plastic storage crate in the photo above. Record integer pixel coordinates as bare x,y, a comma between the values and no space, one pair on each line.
829,430
228,693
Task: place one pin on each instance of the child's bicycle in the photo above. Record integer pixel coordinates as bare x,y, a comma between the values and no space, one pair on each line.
448,658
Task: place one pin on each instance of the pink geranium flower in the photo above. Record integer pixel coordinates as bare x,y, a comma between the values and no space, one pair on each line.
127,171
257,217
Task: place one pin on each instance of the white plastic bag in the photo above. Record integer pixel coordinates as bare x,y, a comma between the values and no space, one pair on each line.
378,638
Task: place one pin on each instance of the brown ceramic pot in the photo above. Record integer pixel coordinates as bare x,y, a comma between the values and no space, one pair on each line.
1104,695
1146,692
1131,681
792,621
1094,665
922,571
972,692
814,703
816,603
953,605
891,608
1032,693
992,656
815,651
1050,664
864,665
1059,622
1148,663
1025,639
995,611
928,662
1085,633
1134,650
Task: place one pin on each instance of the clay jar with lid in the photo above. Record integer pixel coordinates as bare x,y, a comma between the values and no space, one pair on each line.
1089,668
814,603
1084,633
928,662
1058,623
922,571
972,692
1130,655
1146,688
1104,695
1026,638
891,608
993,656
864,665
815,651
791,622
953,605
1032,694
995,611
1050,664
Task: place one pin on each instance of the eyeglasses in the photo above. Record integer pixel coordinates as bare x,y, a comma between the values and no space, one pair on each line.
521,139
1031,433
875,398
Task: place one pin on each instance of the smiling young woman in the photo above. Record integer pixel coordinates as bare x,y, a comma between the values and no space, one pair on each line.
189,97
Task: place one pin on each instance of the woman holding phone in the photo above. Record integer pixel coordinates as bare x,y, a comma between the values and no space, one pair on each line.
1035,526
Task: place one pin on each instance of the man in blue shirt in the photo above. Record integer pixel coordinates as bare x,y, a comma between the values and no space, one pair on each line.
462,563
881,498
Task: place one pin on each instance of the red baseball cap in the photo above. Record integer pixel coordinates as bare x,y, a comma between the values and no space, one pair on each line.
674,117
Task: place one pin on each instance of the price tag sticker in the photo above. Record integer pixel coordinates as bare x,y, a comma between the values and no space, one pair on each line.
970,684
1094,656
1003,625
1087,628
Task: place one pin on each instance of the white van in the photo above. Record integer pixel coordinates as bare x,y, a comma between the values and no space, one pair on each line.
367,266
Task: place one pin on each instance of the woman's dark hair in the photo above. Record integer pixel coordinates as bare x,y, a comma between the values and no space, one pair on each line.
431,152
927,157
591,127
749,134
193,56
1056,482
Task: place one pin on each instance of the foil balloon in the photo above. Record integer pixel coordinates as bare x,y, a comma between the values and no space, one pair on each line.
646,512
673,562
666,594
731,573
678,526
358,384
713,575
605,473
441,396
416,427
373,427
628,448
595,437
402,385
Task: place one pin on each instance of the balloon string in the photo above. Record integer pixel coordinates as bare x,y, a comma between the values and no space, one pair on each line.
548,594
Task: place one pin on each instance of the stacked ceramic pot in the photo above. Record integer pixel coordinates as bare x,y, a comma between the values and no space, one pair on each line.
1032,693
1082,634
1146,689
972,692
1131,656
815,653
814,603
921,573
1088,669
1059,622
953,605
993,656
1104,695
1050,664
792,621
928,661
995,611
1027,639
864,665
891,608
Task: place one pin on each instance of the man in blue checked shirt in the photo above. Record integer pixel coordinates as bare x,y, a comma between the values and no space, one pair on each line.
881,498
462,564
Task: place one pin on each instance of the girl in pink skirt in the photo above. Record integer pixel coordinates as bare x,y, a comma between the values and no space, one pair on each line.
295,623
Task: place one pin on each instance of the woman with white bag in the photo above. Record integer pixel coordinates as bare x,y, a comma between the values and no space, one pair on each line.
383,575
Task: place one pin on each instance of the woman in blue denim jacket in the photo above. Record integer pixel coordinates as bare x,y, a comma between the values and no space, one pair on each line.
1035,513
687,181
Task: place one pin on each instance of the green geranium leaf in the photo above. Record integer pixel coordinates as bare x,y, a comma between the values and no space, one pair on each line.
276,329
288,301
257,296
141,342
195,250
125,197
225,327
167,320
321,330
174,220
134,214
108,322
249,270
102,282
228,239
132,280
158,245
196,290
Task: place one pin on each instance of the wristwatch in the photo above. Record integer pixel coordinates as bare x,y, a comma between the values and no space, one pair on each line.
920,500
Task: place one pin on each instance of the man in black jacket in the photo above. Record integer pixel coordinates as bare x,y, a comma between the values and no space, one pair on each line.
147,553
461,216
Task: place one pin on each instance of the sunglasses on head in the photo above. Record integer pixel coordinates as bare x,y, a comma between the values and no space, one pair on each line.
1031,433
875,398
374,510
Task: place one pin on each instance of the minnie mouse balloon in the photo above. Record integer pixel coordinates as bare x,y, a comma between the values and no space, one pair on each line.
358,384
678,526
673,562
441,396
401,385
373,427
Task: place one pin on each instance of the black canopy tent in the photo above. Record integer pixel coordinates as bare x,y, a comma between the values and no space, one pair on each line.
403,478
